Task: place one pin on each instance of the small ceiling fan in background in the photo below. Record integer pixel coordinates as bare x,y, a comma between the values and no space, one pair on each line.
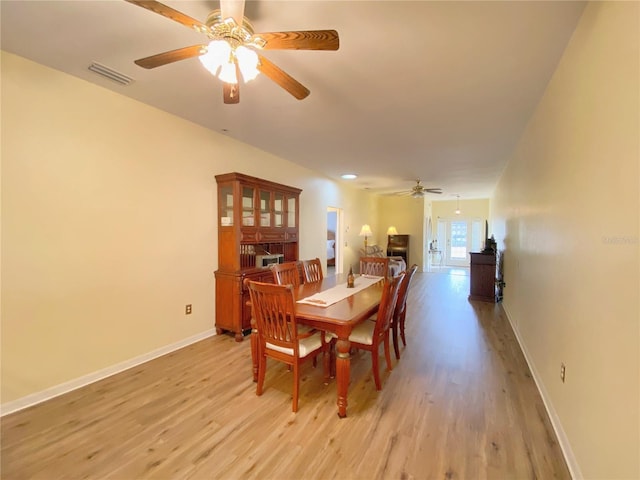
232,51
418,190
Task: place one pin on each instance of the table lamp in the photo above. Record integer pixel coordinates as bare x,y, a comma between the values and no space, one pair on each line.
365,232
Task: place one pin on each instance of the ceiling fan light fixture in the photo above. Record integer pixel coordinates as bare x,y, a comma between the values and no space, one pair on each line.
230,22
217,55
228,73
416,194
228,29
248,63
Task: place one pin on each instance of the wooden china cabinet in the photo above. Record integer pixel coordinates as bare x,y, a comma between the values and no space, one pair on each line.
257,224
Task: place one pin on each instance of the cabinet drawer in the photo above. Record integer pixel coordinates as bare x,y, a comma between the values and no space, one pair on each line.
482,259
265,276
249,235
271,235
291,236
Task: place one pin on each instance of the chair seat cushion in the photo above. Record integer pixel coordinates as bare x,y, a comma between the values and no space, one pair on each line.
305,345
363,333
304,329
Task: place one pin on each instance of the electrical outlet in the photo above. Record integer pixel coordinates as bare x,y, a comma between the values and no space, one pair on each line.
563,370
187,310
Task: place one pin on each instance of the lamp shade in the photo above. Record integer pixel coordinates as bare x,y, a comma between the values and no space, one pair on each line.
392,230
217,54
228,73
248,63
365,231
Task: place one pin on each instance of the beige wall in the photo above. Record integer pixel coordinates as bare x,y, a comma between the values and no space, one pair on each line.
472,208
407,215
566,209
109,229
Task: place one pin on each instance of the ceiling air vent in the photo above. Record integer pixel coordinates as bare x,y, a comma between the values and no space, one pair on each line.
111,74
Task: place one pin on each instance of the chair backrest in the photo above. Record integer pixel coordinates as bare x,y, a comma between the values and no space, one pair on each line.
273,308
286,274
378,266
387,304
312,270
403,290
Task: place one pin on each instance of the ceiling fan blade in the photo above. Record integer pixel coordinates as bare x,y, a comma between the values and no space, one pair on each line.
234,9
172,14
282,78
433,190
300,40
169,57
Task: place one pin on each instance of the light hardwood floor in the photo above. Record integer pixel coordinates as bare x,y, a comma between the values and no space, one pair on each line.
460,404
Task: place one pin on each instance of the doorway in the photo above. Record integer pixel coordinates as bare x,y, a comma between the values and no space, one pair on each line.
334,240
458,237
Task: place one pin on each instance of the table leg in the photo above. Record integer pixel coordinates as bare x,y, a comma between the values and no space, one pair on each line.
343,372
254,349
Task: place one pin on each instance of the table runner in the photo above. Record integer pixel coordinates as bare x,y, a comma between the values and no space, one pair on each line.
340,292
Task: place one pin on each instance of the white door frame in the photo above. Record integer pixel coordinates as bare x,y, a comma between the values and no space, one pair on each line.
426,252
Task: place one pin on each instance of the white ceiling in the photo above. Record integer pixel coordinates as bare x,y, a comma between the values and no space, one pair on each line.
439,91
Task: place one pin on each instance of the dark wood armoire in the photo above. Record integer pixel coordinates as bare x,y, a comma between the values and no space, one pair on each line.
483,277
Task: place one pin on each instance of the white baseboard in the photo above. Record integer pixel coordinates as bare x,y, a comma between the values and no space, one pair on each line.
565,446
38,397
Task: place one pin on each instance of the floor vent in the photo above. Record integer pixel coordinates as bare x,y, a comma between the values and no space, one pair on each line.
111,74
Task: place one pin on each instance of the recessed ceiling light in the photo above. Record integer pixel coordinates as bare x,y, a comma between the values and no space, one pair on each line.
349,176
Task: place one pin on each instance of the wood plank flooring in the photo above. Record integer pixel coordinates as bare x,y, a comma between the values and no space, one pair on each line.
460,404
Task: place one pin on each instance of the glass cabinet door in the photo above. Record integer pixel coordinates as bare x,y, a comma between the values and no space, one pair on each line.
225,205
248,209
265,209
291,212
278,210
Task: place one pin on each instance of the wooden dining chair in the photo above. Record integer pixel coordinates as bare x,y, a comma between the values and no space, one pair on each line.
286,274
312,270
378,266
400,312
274,311
369,335
289,274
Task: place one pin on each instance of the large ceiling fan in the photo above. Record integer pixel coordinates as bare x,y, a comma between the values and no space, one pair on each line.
418,190
232,51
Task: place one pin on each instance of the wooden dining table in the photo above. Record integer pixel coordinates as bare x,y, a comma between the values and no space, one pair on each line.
339,318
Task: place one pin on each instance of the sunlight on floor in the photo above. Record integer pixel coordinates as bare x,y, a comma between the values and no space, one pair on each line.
448,270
